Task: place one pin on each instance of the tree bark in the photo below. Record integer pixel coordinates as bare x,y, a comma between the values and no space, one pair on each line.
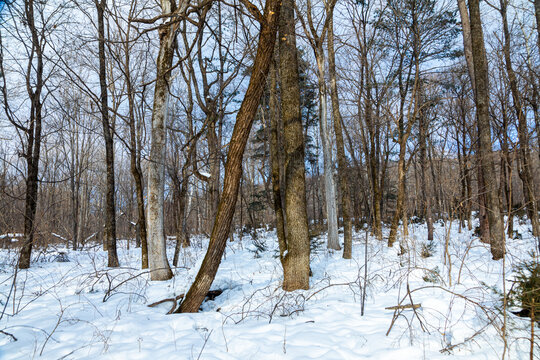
467,41
329,183
496,229
342,160
33,132
135,159
233,166
426,198
157,251
296,260
277,184
110,208
523,133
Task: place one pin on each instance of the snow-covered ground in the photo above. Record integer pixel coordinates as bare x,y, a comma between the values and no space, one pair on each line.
80,309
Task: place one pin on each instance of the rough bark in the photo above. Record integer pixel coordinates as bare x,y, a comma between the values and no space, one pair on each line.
233,166
329,182
296,259
485,153
277,184
467,42
342,160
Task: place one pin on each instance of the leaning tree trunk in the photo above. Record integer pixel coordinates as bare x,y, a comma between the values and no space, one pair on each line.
496,228
233,166
342,160
296,260
157,251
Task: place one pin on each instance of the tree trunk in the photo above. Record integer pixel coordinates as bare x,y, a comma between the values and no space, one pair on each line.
110,208
329,183
214,162
467,41
523,133
275,161
233,166
33,146
426,198
342,160
496,229
537,15
135,162
296,260
157,251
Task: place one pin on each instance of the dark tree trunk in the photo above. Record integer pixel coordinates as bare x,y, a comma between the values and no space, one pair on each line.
276,161
33,132
426,198
485,153
110,209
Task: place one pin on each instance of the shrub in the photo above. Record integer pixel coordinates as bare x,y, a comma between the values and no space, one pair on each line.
525,291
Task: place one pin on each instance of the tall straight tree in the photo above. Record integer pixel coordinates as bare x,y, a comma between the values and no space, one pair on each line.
233,167
276,160
296,259
134,146
525,172
157,251
32,130
316,41
485,152
346,207
467,49
110,209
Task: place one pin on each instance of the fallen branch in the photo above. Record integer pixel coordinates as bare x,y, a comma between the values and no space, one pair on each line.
403,307
8,334
173,300
210,295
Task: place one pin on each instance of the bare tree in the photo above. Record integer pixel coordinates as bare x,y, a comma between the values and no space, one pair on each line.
157,252
110,208
31,129
295,255
485,152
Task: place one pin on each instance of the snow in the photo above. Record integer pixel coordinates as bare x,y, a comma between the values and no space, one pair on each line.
205,174
13,236
83,310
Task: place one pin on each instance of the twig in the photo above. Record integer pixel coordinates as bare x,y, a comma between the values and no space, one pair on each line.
8,334
402,307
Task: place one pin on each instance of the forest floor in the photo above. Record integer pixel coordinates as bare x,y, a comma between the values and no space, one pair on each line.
69,305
